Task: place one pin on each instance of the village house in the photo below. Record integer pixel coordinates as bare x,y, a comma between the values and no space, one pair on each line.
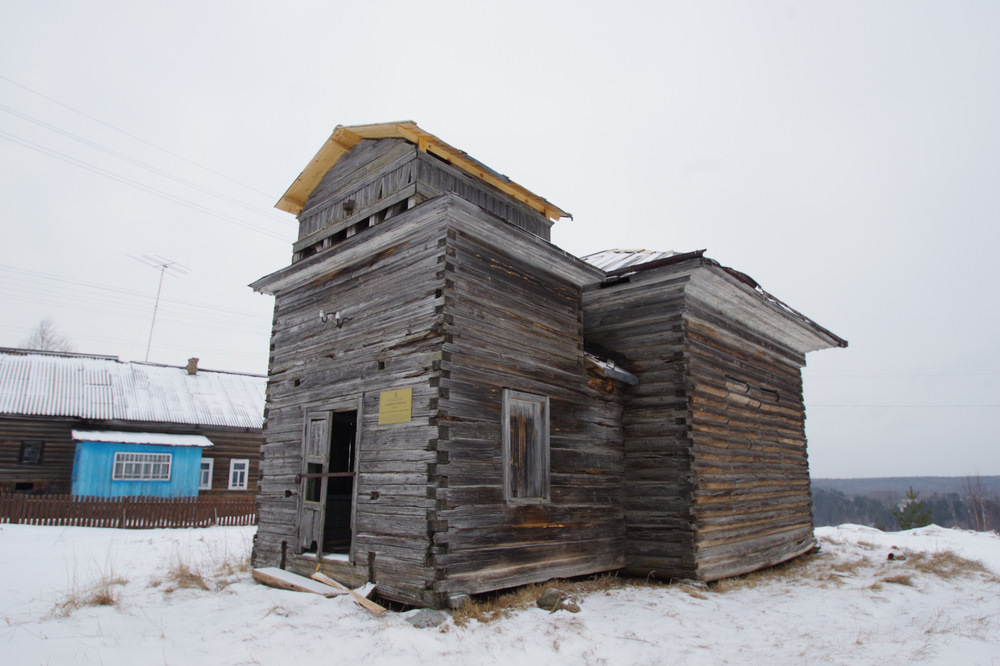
455,405
98,427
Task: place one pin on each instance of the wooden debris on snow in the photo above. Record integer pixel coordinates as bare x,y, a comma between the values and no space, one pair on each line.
366,603
286,580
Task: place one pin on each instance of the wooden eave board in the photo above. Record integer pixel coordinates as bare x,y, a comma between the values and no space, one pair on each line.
738,301
446,209
286,580
345,138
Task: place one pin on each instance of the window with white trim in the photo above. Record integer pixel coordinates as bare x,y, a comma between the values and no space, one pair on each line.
130,466
525,446
205,476
239,471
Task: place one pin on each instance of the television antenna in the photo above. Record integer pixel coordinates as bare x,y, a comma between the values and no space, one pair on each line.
166,267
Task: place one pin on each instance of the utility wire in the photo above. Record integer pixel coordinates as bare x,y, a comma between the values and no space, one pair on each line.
133,136
143,315
139,186
122,342
148,167
209,308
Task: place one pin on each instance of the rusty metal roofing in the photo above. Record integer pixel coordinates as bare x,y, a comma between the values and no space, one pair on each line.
611,260
104,388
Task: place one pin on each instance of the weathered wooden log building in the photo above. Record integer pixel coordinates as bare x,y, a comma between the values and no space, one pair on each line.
455,405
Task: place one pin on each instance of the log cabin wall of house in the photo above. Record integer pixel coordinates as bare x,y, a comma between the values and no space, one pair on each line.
717,479
387,285
53,473
752,499
512,323
641,317
230,444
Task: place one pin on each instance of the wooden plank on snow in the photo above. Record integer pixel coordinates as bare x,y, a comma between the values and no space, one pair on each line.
342,589
286,580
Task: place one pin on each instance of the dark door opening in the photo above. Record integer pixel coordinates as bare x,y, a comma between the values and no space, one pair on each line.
340,483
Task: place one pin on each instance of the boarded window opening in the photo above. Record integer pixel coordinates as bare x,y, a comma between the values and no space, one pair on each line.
31,453
525,446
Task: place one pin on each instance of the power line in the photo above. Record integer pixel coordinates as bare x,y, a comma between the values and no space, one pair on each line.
134,312
148,167
133,136
132,343
81,285
139,186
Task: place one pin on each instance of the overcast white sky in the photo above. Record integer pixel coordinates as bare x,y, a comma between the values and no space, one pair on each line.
844,154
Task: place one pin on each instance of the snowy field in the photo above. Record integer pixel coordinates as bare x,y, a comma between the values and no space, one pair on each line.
847,605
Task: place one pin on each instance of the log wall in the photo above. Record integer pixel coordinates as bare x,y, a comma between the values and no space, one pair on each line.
716,471
642,318
377,178
452,302
752,500
390,295
509,324
54,474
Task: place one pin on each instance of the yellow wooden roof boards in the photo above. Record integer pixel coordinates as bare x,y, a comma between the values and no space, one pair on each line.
345,138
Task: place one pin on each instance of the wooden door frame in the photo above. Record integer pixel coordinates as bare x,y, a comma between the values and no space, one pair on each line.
353,403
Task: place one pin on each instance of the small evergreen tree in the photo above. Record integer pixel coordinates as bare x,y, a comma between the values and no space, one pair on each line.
912,512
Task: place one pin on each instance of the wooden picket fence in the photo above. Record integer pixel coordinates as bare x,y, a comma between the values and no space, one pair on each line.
127,512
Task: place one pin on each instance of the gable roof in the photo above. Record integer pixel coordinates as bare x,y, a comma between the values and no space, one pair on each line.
345,138
36,383
810,337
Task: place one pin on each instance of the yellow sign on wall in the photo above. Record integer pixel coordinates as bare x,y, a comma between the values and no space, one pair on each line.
395,406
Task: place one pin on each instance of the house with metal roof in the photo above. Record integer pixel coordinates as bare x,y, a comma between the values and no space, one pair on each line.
95,426
455,405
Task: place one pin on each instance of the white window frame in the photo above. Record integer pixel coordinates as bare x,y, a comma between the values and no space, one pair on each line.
537,459
235,482
203,483
139,466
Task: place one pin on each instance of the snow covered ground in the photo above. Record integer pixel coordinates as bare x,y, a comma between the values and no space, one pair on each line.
847,605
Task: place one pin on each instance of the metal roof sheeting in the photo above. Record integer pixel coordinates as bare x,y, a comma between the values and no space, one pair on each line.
104,388
610,260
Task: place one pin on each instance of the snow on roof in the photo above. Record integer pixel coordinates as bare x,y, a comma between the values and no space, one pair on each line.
140,438
102,387
610,260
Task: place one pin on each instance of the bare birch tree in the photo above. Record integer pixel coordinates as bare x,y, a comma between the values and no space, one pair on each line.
46,337
973,487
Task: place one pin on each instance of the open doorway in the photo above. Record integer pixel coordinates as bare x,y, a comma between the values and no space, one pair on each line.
327,507
340,486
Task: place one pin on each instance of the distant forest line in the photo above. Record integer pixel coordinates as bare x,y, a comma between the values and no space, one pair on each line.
971,503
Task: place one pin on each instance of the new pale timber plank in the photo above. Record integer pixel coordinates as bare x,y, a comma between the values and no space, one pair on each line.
342,589
286,580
